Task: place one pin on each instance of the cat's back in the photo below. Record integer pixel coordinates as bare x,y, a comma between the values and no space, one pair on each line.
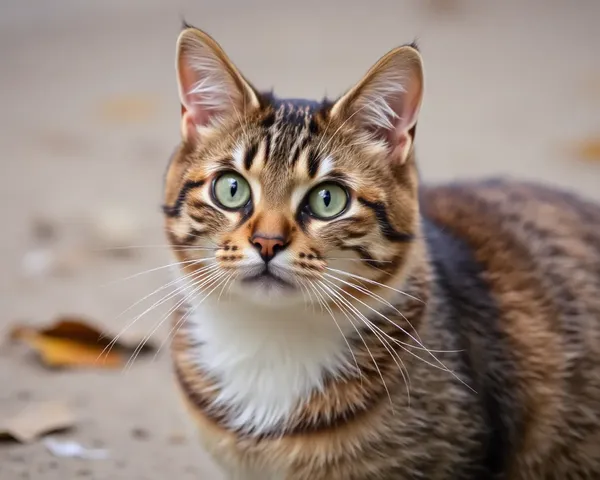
539,252
519,226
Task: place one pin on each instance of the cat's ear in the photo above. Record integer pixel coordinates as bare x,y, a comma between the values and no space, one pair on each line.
386,102
210,86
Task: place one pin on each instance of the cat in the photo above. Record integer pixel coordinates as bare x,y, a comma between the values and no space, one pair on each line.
339,321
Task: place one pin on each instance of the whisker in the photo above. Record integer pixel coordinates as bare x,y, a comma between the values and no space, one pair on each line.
164,299
366,346
373,282
202,236
306,290
324,304
366,260
381,299
169,246
175,328
173,282
147,337
231,285
170,265
303,288
386,318
403,345
192,249
441,365
223,289
363,290
320,300
385,302
182,320
355,309
386,345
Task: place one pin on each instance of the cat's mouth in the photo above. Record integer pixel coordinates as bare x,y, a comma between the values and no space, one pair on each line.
267,279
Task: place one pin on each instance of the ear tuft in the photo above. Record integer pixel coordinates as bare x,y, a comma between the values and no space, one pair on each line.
184,24
386,102
414,44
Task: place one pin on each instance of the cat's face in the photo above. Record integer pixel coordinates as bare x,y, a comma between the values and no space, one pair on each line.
279,201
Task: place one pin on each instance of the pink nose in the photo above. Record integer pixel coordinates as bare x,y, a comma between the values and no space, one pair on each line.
268,247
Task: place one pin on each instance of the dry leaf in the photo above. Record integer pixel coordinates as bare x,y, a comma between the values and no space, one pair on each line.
37,420
74,342
589,150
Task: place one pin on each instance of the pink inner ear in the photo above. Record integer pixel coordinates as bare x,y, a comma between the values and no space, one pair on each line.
193,103
200,115
188,126
405,106
398,147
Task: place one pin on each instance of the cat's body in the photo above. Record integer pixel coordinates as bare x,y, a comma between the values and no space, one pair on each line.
456,329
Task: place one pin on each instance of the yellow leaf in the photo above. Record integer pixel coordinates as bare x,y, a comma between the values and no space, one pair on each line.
61,352
71,342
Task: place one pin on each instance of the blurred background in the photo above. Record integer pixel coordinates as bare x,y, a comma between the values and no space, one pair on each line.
89,115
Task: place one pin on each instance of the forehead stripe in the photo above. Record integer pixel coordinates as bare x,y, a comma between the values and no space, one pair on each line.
268,121
295,155
298,148
267,147
313,163
250,155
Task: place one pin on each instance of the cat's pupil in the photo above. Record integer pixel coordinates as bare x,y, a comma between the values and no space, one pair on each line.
233,186
326,196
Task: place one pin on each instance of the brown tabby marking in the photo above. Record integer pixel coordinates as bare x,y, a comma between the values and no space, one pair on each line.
540,251
498,279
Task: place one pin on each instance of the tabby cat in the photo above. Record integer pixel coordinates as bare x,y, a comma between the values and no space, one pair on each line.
338,321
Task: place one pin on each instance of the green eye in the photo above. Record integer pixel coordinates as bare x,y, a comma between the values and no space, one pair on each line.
231,191
327,200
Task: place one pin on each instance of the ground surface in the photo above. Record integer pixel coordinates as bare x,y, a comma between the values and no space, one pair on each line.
89,115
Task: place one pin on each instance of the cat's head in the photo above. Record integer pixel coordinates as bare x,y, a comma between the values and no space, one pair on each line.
274,199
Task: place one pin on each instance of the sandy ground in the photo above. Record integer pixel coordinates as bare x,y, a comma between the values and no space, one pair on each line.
89,115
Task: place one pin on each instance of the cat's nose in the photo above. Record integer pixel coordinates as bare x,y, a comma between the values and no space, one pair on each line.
267,246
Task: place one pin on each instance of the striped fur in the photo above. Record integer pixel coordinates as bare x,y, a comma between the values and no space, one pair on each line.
456,331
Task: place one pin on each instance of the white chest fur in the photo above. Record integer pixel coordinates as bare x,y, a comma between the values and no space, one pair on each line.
266,361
